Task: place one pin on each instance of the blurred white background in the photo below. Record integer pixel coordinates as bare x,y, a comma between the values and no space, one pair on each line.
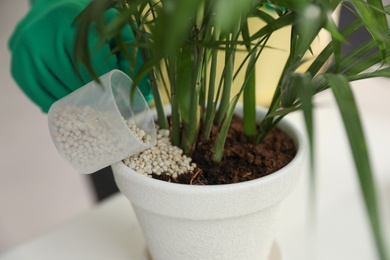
38,190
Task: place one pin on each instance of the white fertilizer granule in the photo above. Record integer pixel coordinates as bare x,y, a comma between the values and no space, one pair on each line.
162,158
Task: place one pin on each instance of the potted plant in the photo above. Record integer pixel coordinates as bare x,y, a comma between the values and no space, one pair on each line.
180,42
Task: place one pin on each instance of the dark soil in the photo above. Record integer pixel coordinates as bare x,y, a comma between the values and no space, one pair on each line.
242,160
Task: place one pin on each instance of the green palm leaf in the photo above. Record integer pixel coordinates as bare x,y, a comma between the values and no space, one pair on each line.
349,112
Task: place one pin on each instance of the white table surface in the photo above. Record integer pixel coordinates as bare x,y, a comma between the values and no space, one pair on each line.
110,230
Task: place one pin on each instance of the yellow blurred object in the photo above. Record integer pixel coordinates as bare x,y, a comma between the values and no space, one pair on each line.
271,62
270,65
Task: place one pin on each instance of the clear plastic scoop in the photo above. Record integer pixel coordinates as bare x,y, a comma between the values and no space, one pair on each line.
99,125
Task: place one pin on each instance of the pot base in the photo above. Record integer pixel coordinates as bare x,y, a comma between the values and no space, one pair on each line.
275,254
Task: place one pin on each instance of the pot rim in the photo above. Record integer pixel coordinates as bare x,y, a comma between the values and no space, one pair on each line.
285,125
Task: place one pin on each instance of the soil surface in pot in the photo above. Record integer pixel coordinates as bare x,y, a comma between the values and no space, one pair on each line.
242,160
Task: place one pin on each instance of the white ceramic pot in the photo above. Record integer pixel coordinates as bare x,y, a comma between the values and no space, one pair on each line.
233,221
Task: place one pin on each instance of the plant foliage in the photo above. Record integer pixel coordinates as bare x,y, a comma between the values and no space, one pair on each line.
181,42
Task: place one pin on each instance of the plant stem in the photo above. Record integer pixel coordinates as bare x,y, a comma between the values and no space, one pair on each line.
210,109
191,126
161,117
221,138
175,136
250,107
227,84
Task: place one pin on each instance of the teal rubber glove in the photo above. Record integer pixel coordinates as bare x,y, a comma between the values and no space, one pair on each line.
42,52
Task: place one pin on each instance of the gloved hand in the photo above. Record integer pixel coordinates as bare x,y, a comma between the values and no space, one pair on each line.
42,52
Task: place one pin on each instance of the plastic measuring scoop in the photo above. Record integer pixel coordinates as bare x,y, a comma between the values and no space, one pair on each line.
101,124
